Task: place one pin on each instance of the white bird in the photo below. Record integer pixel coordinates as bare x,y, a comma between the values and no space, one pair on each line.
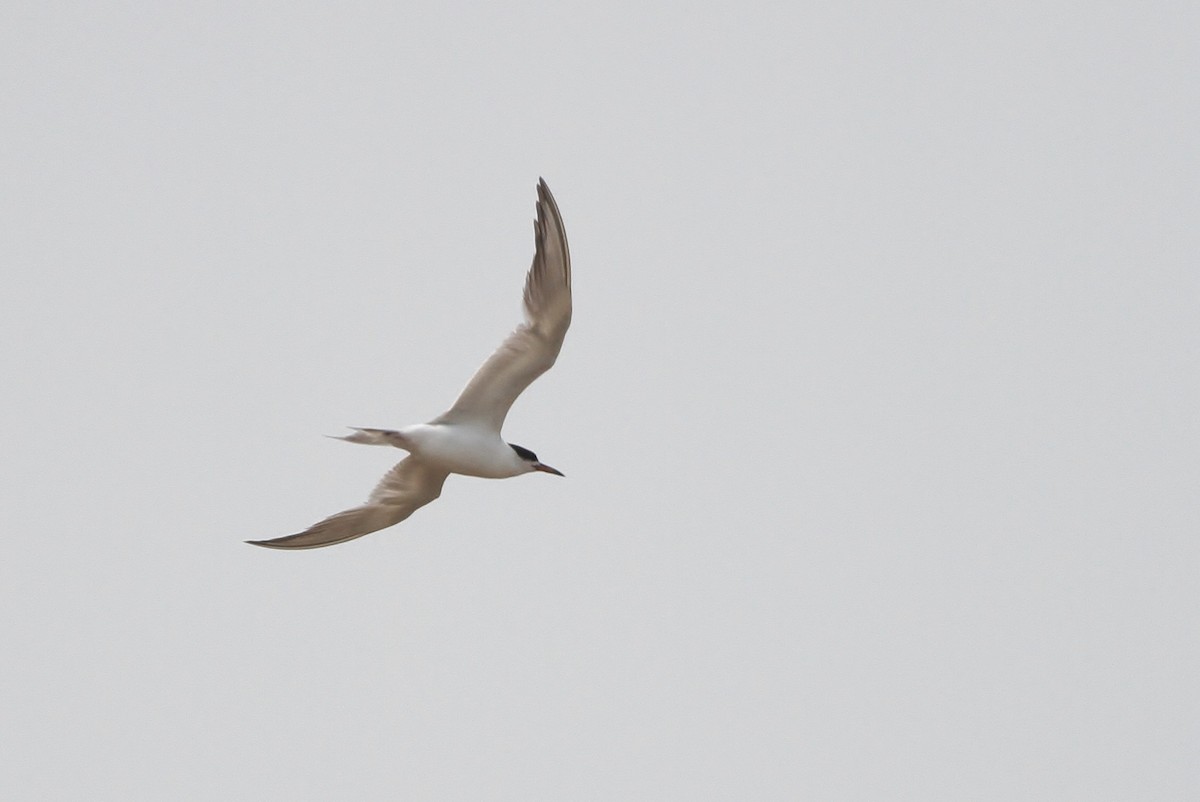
466,438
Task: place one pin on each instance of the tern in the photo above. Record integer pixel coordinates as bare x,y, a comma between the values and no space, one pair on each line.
466,438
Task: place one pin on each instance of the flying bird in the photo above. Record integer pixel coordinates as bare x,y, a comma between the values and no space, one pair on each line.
466,438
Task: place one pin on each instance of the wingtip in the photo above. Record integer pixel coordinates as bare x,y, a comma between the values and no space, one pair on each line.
278,544
546,207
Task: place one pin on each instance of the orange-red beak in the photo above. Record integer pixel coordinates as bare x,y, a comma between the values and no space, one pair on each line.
537,466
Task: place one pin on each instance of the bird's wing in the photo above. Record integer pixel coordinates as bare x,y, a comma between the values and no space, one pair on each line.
530,350
411,484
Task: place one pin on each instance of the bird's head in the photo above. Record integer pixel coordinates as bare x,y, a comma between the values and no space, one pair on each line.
531,461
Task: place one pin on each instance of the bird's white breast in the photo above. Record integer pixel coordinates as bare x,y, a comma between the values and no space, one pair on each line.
464,449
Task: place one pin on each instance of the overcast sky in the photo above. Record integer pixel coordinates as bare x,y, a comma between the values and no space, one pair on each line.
878,412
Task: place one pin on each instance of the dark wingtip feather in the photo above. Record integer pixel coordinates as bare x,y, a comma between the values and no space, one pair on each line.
279,543
282,545
297,542
544,195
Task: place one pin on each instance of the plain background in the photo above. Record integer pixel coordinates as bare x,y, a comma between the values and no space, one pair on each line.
878,414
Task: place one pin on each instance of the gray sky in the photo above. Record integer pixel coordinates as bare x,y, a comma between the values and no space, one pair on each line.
879,410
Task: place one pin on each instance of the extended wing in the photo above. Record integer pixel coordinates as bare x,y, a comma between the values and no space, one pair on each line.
410,485
530,350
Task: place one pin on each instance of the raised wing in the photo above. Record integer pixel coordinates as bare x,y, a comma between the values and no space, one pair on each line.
411,484
530,350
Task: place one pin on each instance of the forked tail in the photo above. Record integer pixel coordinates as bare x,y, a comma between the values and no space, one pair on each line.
374,437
